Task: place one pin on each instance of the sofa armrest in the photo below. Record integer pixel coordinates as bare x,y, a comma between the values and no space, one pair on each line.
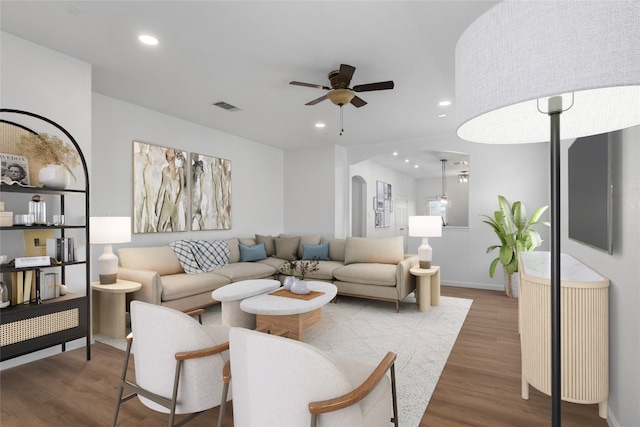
151,290
405,281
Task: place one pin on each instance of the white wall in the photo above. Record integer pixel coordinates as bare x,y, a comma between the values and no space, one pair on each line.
623,270
256,169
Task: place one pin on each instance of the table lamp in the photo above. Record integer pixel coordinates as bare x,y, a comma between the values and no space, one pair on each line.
107,230
425,227
525,60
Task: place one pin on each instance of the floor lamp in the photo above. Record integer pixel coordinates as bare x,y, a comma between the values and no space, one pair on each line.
525,60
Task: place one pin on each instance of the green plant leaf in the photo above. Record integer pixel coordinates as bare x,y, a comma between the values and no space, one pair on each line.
492,268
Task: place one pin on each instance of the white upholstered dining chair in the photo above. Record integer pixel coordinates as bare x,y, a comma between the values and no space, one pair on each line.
178,362
283,382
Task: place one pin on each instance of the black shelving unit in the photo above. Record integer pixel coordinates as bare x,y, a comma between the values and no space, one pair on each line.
33,326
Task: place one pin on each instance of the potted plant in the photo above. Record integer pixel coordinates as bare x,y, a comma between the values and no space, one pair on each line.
516,234
58,156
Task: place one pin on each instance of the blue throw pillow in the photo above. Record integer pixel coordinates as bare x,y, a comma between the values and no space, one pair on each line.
252,253
320,252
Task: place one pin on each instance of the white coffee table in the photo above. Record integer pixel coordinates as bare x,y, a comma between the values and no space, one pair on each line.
290,313
231,295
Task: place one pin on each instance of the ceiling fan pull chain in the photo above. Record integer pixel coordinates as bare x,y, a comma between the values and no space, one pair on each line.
341,126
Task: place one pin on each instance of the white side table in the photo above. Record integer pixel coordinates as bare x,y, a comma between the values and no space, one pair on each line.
427,297
230,297
109,307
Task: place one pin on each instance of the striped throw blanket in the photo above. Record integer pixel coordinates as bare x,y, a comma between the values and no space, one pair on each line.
201,256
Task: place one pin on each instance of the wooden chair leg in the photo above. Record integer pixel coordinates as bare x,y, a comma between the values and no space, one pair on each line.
123,378
394,396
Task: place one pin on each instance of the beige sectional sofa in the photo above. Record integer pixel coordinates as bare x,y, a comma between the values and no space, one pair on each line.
362,267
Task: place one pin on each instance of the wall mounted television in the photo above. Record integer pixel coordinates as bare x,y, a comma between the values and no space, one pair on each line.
591,191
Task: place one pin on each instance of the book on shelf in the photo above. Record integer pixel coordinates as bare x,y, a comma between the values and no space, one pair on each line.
62,249
48,286
32,261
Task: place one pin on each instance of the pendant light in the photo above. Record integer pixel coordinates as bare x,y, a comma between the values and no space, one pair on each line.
443,198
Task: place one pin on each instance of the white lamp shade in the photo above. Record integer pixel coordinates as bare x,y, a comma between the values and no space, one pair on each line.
522,51
425,226
109,229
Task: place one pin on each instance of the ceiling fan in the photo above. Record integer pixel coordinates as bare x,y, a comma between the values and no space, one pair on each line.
340,93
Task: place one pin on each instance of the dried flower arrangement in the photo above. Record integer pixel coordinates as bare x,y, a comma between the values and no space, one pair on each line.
300,269
50,149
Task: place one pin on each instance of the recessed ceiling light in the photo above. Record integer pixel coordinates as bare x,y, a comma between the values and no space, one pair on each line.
395,153
406,160
147,39
320,125
416,166
442,115
444,103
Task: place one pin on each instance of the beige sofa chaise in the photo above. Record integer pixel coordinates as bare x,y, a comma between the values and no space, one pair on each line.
361,267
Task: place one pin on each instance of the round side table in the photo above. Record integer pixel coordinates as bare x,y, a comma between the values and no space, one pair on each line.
109,307
426,297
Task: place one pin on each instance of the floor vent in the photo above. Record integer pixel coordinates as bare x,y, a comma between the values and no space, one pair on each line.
226,106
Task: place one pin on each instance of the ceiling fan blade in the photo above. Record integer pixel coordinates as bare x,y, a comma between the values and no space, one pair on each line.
358,102
345,73
309,85
315,101
373,86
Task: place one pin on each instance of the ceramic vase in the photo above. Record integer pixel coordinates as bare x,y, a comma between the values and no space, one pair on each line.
54,176
300,287
288,281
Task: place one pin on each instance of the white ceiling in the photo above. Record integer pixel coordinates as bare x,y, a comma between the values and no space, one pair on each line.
245,53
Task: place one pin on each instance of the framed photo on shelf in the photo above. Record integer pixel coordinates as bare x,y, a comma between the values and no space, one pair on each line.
14,169
35,242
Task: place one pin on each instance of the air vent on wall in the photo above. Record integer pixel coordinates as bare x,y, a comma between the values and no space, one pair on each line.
226,106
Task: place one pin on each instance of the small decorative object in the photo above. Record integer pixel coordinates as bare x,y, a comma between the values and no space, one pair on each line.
300,269
38,208
288,281
300,287
59,157
54,176
4,295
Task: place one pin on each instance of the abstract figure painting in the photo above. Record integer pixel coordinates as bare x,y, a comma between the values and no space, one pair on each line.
210,193
159,189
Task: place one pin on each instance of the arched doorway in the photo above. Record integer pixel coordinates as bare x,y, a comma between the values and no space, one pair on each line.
358,206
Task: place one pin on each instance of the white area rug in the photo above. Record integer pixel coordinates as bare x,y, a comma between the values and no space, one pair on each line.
366,330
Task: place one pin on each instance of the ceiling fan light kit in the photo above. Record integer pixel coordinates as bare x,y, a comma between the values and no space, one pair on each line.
340,93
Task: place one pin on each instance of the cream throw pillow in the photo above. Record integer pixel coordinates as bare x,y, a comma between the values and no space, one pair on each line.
366,249
287,248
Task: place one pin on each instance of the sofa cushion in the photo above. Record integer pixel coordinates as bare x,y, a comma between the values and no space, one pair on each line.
160,259
307,239
269,244
388,250
246,271
319,252
234,250
176,286
273,262
325,271
248,241
287,248
336,248
252,253
367,274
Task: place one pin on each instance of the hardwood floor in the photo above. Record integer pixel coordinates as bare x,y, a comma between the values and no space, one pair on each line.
480,385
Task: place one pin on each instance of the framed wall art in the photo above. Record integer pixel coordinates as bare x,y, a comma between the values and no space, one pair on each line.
383,205
159,188
210,193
